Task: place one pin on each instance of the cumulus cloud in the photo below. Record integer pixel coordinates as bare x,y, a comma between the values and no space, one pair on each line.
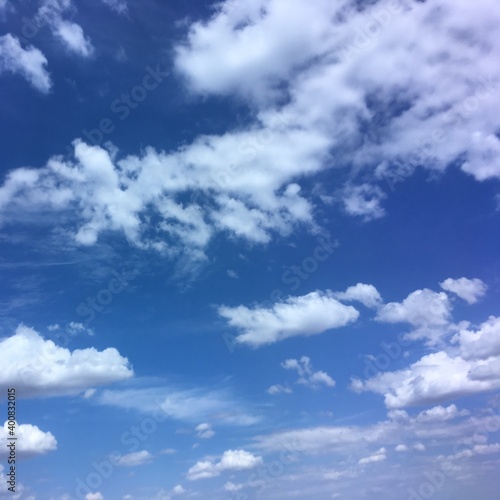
470,290
368,295
230,460
31,441
133,459
204,431
307,376
29,63
38,367
305,315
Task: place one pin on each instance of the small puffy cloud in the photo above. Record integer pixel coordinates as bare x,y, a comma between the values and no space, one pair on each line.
119,6
363,201
133,459
29,63
94,496
400,448
470,290
378,456
205,431
229,486
306,375
278,389
31,441
178,490
306,315
72,36
232,274
230,460
419,447
368,295
38,367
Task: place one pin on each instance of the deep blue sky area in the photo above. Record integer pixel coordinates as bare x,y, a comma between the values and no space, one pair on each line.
249,249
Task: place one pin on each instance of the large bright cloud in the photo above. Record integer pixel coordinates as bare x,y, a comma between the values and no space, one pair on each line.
38,367
307,315
29,62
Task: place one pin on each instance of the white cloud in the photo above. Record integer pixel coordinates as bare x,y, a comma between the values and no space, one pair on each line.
119,6
31,441
368,295
363,201
205,431
70,34
401,448
94,496
378,456
230,460
134,459
419,447
178,490
38,367
435,378
470,290
440,414
278,389
326,92
229,486
420,308
482,344
306,315
29,62
306,375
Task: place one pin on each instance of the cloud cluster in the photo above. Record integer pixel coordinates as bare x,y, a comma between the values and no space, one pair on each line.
38,367
230,460
361,85
469,365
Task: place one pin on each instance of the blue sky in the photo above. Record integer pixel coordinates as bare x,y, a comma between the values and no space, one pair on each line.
250,248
